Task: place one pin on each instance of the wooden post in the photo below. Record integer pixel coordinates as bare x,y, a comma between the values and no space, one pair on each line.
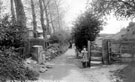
105,51
109,51
89,53
29,47
44,42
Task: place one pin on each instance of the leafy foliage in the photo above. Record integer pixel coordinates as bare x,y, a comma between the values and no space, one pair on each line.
120,7
130,31
12,68
11,35
60,37
86,28
12,38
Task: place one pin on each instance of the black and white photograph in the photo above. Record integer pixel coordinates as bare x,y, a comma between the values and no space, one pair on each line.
67,40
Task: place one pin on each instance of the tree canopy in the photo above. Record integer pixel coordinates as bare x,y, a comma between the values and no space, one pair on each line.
86,28
121,8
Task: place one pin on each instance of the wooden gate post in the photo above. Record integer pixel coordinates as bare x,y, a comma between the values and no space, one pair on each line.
89,53
105,51
109,51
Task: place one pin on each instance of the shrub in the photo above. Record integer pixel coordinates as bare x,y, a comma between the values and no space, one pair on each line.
12,38
60,36
54,39
11,35
12,68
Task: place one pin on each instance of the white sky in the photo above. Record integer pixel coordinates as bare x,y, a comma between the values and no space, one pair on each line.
76,7
114,26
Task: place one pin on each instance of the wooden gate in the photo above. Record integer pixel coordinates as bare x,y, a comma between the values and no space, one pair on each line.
123,50
94,54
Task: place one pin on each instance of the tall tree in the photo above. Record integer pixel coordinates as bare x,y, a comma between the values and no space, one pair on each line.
52,24
34,18
13,11
86,28
57,3
46,3
56,14
51,16
42,18
21,18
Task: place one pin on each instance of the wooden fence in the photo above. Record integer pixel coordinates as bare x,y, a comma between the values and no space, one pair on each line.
125,49
94,53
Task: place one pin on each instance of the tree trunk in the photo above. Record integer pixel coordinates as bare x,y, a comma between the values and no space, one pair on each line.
42,18
34,18
13,12
51,17
46,14
21,18
52,23
58,13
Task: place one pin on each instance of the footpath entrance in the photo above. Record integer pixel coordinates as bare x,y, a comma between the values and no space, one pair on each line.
94,54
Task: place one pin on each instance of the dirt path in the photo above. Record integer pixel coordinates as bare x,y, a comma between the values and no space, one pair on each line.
67,69
64,69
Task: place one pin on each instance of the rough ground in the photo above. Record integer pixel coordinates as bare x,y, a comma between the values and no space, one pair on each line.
128,73
67,68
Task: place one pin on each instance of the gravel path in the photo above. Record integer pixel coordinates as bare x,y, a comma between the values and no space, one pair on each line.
66,68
